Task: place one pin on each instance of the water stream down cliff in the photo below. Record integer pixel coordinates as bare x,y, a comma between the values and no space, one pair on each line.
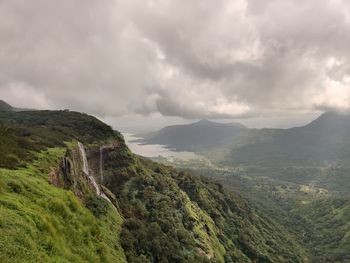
86,171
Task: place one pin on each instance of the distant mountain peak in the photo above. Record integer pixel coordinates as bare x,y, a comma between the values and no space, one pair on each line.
331,118
202,134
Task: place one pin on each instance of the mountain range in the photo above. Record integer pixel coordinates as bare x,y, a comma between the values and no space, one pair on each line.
324,141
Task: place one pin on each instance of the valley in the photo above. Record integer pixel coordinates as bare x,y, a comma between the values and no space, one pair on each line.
299,177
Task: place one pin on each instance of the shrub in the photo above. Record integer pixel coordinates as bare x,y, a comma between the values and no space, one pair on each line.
97,205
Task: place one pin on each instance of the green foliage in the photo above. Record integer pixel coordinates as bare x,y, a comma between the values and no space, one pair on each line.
316,218
178,217
22,133
38,221
97,205
326,224
42,223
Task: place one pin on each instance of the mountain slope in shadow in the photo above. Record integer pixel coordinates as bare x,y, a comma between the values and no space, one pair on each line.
203,134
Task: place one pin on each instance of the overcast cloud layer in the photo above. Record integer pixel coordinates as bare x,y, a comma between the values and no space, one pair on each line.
193,59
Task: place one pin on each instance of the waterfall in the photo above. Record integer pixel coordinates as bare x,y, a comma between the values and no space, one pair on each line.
83,155
86,169
91,178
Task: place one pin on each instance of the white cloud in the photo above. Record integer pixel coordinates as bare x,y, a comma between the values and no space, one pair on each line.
191,59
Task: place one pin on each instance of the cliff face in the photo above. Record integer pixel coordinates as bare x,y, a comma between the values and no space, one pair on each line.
49,212
170,216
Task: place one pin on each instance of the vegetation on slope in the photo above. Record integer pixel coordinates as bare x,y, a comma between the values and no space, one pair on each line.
38,221
173,216
42,223
327,228
300,178
317,218
170,216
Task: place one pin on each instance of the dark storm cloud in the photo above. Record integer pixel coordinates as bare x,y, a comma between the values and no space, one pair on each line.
191,59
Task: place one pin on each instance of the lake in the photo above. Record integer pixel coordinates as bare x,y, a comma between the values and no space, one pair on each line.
156,150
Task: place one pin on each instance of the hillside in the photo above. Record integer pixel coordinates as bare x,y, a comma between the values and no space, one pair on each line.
108,205
203,134
322,142
189,218
319,218
5,106
326,223
40,222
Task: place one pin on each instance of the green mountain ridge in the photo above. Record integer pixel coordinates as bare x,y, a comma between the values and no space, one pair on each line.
323,141
50,210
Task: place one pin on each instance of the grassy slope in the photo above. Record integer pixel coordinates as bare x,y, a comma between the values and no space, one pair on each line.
38,221
42,223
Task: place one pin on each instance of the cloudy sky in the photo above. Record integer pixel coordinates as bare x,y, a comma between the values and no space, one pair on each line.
174,59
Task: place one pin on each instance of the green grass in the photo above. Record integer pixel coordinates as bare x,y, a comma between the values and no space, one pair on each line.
42,223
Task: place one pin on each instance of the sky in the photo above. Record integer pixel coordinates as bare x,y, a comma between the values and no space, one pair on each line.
263,63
